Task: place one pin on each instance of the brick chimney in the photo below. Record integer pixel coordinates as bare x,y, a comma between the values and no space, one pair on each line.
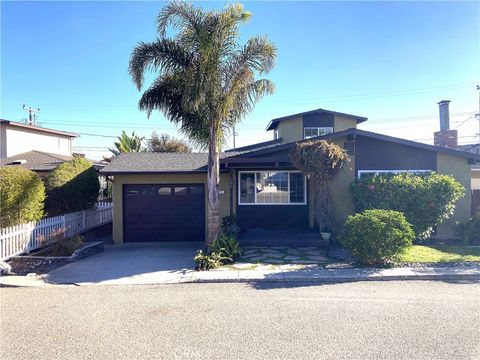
445,137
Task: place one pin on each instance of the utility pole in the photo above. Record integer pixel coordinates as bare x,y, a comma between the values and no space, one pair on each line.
477,115
234,135
32,114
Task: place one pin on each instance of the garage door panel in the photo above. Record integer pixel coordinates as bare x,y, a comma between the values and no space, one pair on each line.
164,212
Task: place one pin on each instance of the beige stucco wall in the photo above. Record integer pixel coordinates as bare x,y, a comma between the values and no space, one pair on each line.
343,123
476,179
291,130
120,180
460,169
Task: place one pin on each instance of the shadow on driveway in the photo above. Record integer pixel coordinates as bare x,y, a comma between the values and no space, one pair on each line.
139,263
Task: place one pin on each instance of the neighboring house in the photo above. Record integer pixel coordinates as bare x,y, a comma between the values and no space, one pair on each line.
162,196
17,138
474,149
40,162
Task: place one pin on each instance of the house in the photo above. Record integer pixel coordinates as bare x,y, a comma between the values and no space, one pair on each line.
474,149
162,196
17,138
38,161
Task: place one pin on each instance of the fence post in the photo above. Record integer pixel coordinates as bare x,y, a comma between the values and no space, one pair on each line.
84,221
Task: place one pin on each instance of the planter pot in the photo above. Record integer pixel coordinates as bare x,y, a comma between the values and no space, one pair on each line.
325,235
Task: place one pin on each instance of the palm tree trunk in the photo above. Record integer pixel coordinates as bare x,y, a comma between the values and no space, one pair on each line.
213,180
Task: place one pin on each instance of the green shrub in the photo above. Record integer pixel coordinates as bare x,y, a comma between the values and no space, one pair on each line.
208,261
375,237
73,186
226,245
469,231
425,200
22,194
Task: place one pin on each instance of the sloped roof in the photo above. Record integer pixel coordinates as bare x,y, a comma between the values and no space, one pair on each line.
273,123
36,160
38,128
355,132
159,163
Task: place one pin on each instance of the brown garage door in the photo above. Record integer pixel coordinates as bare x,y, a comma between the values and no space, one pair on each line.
164,212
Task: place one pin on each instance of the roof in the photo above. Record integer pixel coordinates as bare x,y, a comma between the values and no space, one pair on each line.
472,148
145,163
256,146
36,160
151,163
354,132
37,128
273,123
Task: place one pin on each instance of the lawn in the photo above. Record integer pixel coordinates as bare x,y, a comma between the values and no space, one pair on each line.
417,253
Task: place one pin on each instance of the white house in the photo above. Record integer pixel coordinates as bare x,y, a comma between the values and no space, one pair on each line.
17,138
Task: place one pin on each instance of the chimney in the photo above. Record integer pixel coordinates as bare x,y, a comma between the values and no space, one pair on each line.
445,137
444,115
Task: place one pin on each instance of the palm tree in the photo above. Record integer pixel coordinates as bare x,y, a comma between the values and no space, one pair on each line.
206,81
127,144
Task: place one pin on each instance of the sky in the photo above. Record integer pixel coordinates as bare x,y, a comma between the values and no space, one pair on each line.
391,62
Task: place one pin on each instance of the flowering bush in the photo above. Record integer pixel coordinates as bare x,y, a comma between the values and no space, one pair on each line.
425,200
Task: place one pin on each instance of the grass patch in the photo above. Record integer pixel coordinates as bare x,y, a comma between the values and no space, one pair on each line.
418,253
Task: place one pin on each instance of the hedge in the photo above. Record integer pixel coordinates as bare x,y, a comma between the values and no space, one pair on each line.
375,237
73,186
22,195
425,200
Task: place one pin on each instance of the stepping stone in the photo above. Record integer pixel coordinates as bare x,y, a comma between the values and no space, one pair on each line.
290,257
257,258
316,258
274,261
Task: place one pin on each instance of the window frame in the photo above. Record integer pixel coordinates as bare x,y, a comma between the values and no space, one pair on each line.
270,204
318,130
377,172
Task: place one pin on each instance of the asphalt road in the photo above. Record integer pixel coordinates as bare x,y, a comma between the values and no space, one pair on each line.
369,320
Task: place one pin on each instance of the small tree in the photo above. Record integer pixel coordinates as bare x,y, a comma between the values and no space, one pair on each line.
22,194
166,143
320,161
127,144
73,186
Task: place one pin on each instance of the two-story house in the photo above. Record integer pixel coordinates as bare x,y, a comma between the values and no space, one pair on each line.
162,196
33,147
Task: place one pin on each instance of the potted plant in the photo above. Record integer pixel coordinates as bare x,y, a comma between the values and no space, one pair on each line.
325,233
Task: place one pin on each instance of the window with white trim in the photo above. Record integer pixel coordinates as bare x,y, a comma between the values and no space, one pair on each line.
310,132
364,173
275,134
271,187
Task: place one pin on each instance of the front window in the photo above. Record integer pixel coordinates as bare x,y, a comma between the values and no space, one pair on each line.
368,173
310,132
272,187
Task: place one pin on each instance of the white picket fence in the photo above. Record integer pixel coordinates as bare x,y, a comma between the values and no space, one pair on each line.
23,238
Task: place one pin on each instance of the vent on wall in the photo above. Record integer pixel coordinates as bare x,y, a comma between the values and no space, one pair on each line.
349,147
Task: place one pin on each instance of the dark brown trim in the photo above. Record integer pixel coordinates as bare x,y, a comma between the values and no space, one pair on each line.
37,128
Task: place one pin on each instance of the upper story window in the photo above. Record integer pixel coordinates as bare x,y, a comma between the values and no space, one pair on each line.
275,134
310,132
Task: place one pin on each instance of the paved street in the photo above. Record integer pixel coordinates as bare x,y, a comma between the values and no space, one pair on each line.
362,320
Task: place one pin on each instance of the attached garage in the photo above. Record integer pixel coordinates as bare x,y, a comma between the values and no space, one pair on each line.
163,212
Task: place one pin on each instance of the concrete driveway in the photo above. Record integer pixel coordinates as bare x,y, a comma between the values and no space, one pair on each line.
134,263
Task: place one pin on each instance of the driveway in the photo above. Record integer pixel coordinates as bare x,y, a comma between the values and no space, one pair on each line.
139,263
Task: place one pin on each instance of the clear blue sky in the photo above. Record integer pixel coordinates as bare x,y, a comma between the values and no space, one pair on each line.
391,62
